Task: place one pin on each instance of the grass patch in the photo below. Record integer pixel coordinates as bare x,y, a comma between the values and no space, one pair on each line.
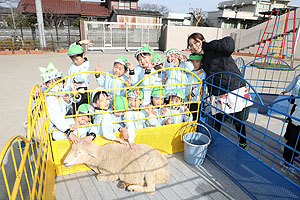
272,66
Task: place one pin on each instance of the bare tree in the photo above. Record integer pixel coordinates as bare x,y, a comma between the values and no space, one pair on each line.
155,7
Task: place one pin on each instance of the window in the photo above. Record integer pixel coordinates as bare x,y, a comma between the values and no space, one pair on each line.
124,4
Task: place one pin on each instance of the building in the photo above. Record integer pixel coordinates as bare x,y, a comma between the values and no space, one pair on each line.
177,19
136,16
73,9
243,14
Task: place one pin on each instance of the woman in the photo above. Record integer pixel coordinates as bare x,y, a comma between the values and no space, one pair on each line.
217,58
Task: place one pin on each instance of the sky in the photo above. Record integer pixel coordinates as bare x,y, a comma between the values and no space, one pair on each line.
182,6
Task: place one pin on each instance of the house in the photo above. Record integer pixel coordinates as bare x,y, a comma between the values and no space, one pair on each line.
74,9
243,14
177,19
136,16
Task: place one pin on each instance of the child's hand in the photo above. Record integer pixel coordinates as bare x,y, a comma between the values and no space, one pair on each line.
75,92
129,81
87,140
74,138
165,79
98,68
169,121
130,66
124,132
185,108
73,126
164,110
122,142
189,97
134,146
67,98
86,42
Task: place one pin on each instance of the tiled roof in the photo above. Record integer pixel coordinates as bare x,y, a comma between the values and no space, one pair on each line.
137,12
65,7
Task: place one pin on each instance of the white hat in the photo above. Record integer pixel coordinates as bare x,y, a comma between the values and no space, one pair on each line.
49,73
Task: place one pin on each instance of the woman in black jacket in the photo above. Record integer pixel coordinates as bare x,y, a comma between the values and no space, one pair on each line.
217,58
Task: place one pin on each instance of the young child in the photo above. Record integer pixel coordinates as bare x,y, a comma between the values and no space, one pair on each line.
120,68
135,114
100,101
57,107
79,64
158,62
109,128
157,99
144,56
176,76
194,92
86,133
176,97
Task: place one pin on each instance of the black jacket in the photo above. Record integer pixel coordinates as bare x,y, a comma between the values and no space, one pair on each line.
217,58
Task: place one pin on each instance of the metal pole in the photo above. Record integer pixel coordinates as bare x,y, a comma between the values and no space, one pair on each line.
39,15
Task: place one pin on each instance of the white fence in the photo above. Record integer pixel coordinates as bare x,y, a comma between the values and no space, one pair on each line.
114,35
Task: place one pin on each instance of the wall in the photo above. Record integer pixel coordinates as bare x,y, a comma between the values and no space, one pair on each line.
176,36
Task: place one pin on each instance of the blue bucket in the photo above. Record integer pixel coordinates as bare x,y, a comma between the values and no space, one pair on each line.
195,145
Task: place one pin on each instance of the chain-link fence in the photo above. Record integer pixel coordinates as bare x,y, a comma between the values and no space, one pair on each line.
113,35
28,38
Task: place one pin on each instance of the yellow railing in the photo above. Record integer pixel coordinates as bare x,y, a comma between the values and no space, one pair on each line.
29,165
25,161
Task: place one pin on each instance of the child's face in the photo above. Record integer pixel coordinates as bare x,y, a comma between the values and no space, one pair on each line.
119,69
134,102
82,120
197,64
145,60
102,102
174,58
175,100
119,113
78,60
156,101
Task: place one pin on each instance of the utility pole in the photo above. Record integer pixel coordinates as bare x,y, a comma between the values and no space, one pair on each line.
39,15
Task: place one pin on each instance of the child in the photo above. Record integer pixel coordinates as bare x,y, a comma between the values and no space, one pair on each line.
79,64
157,99
100,101
174,76
108,82
293,141
158,62
109,128
176,97
57,108
87,133
135,114
194,92
144,56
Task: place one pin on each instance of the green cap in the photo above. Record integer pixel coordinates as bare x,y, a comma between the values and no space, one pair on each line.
195,56
157,60
158,92
84,108
75,50
120,103
136,93
173,51
144,49
176,92
122,60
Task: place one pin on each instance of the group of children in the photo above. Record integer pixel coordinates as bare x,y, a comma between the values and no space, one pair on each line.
114,106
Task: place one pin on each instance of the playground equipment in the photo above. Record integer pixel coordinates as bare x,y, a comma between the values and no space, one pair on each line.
278,39
256,171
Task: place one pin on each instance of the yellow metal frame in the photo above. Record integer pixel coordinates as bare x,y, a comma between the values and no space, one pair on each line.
41,160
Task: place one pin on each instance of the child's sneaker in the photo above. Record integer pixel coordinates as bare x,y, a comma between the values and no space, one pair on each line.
291,170
244,146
